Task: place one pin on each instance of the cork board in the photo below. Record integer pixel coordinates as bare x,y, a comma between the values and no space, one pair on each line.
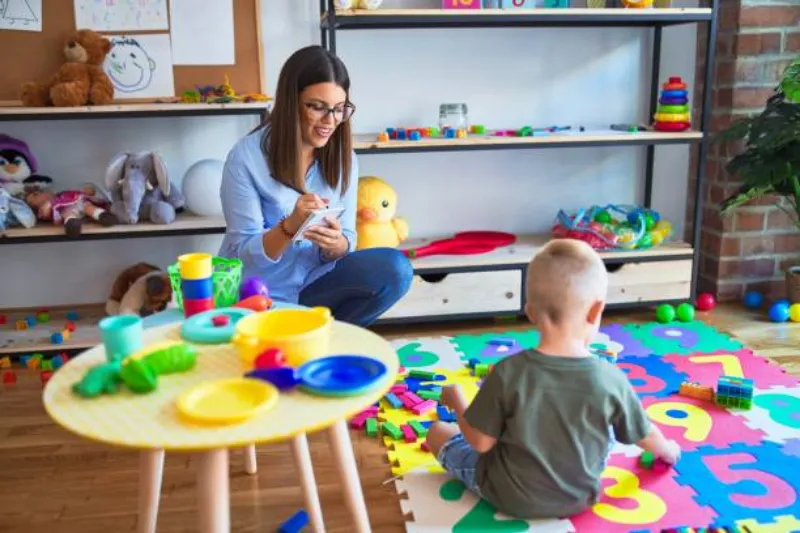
39,54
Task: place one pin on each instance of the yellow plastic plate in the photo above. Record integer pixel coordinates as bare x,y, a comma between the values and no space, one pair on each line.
227,401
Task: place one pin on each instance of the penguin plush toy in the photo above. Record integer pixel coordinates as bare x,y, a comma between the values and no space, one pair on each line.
18,168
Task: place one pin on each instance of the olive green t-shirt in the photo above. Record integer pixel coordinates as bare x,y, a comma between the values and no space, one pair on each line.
551,417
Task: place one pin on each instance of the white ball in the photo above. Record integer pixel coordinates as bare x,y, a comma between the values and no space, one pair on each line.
201,185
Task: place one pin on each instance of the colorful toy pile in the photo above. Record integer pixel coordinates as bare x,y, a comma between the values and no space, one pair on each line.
196,284
673,112
613,227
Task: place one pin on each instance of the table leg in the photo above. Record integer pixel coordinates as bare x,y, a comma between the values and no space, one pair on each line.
151,470
302,459
346,461
213,492
250,463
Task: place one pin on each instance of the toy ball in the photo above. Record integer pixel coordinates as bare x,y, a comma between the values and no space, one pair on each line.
253,286
779,312
783,301
794,312
685,312
753,300
665,313
201,184
705,302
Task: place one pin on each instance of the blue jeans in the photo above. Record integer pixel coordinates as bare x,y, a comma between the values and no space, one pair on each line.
362,285
460,460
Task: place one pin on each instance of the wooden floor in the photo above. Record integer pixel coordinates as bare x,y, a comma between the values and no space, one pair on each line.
53,482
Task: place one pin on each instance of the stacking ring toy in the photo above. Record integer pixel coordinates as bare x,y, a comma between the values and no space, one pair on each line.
671,126
200,328
195,266
673,109
675,94
674,86
668,117
197,289
673,101
340,375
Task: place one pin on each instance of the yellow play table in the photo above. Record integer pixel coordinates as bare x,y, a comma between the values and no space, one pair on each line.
151,423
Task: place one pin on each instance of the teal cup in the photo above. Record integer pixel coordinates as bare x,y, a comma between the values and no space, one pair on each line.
122,335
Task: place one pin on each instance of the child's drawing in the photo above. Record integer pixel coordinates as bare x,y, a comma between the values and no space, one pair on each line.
140,66
121,15
24,15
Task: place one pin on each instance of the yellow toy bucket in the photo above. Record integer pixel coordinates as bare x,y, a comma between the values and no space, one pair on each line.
301,334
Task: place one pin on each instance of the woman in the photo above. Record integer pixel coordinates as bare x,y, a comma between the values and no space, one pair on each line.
301,160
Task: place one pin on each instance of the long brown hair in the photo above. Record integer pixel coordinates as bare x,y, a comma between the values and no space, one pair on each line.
282,142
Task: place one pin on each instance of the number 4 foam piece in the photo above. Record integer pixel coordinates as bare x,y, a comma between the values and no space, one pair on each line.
424,407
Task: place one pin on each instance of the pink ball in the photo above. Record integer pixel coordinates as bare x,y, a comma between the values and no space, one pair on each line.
705,302
253,286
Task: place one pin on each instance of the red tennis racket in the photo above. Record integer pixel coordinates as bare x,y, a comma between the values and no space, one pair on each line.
464,243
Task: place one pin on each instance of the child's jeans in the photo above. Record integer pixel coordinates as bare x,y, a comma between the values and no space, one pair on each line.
460,460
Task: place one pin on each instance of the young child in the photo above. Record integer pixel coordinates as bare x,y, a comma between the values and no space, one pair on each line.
535,439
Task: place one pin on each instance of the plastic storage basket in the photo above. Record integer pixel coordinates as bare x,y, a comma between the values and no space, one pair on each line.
226,277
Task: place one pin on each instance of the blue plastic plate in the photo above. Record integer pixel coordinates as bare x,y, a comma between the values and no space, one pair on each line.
341,375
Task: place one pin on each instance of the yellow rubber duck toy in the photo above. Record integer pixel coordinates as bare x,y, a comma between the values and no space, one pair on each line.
376,225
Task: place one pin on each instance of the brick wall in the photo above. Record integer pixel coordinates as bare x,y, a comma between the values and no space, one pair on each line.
750,248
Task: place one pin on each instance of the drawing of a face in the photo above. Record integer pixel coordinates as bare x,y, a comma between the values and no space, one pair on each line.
128,65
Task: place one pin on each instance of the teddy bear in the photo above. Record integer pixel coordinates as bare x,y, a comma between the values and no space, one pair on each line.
79,81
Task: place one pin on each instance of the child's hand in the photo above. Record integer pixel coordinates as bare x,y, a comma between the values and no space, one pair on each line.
671,452
453,398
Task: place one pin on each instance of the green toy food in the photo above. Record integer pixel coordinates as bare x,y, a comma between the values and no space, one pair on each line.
171,358
138,376
101,379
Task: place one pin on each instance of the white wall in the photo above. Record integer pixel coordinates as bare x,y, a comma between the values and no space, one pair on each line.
508,77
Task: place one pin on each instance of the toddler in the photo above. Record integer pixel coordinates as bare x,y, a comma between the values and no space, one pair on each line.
535,439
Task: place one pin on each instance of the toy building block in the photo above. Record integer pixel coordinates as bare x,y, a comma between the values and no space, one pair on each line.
3,320
424,447
735,392
9,377
391,430
371,427
19,325
47,364
413,398
43,317
31,320
400,388
424,407
73,316
56,338
691,389
409,435
418,428
430,395
70,326
383,137
501,341
482,369
45,376
646,460
422,374
5,362
444,414
295,524
65,334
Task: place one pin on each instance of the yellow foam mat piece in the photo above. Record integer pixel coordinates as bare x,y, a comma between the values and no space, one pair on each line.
405,457
782,524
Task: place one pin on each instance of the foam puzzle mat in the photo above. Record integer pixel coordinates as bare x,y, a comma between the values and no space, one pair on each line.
739,467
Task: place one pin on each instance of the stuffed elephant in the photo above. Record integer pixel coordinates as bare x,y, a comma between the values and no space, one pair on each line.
141,189
14,212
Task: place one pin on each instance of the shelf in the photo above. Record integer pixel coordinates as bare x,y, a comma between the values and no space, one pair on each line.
368,143
360,19
183,225
521,252
14,113
37,338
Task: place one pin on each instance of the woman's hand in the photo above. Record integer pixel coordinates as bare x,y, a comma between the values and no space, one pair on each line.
303,208
328,237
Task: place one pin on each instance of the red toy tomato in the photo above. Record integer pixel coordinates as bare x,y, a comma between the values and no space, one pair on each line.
270,358
705,302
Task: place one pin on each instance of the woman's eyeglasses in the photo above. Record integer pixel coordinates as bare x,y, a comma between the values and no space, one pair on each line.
340,113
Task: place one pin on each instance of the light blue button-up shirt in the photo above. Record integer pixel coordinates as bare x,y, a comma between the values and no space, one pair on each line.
253,202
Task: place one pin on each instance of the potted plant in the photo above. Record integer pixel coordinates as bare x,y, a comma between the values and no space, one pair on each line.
769,164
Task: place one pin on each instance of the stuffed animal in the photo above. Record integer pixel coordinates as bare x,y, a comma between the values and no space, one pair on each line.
79,81
141,189
142,289
14,212
376,225
70,208
18,167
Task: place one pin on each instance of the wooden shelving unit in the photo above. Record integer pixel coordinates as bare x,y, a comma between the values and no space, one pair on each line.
369,143
183,225
492,284
18,113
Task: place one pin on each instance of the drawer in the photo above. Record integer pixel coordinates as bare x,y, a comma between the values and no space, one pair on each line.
461,293
650,282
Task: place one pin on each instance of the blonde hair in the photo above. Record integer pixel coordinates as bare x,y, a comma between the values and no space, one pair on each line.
565,277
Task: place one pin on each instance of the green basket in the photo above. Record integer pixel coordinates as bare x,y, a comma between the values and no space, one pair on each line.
226,277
